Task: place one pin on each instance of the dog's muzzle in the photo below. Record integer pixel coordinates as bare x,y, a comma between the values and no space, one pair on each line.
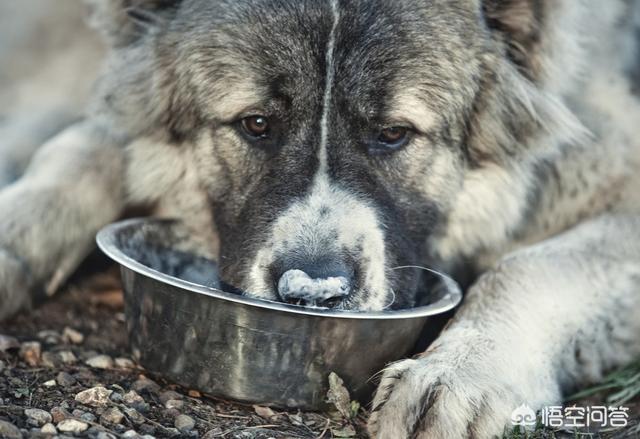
322,284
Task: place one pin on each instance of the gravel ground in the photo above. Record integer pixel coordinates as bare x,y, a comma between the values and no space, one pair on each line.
65,370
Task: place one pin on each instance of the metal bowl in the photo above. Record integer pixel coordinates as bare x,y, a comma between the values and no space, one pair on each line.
182,326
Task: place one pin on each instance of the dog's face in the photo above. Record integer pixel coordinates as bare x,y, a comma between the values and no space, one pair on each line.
333,138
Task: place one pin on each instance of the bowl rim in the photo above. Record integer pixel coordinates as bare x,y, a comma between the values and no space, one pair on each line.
106,240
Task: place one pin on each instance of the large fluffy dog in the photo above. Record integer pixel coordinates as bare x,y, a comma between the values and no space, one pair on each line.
342,139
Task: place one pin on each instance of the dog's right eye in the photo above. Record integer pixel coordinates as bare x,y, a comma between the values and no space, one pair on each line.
256,126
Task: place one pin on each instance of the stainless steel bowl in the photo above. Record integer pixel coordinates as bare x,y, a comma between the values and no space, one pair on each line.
183,327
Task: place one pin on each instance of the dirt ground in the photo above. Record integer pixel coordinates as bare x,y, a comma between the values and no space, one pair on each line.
77,343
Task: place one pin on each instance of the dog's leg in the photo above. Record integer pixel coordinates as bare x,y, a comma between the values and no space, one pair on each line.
546,319
49,217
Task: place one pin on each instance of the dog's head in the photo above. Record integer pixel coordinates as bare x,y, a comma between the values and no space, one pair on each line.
339,140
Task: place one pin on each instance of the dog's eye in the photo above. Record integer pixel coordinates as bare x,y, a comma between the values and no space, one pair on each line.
256,126
390,139
393,135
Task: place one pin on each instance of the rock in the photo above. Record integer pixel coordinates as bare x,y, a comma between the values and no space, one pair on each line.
68,357
49,429
7,343
194,394
116,397
132,397
145,385
134,416
72,426
30,352
59,414
184,423
88,417
100,362
124,363
49,337
105,435
9,431
51,360
130,433
264,412
77,413
50,383
96,396
112,416
169,394
70,335
147,429
39,417
174,404
65,380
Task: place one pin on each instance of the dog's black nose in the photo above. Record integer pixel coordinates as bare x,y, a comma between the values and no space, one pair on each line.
320,285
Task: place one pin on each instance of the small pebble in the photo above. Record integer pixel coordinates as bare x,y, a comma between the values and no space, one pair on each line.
184,423
51,360
105,435
70,335
72,426
174,404
116,397
124,363
96,396
9,431
59,414
67,357
30,352
48,429
130,433
112,416
134,416
145,385
88,417
49,337
38,416
194,394
169,394
132,397
100,362
7,342
65,380
50,383
147,429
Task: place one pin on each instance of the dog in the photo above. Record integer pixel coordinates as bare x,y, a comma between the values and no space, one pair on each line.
328,143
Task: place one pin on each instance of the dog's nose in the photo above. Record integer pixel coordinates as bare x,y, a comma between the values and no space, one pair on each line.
315,287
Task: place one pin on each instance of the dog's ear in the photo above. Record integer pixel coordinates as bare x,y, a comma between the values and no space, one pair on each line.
123,22
519,24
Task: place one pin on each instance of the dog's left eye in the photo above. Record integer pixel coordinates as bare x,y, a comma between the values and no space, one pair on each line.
390,139
256,126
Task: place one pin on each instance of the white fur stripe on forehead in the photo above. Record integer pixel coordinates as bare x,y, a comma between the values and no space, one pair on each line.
326,103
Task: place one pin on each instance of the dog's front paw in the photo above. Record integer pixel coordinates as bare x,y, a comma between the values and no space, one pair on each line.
459,389
16,285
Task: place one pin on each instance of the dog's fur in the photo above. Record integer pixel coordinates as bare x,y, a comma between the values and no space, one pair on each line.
523,167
